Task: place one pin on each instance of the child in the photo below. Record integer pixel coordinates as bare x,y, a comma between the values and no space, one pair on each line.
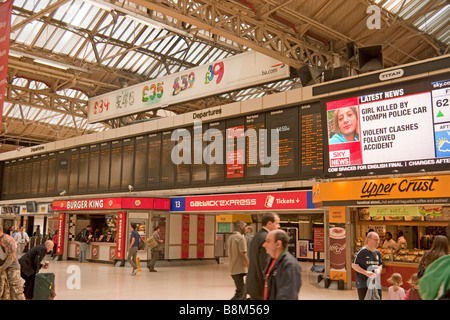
413,293
396,292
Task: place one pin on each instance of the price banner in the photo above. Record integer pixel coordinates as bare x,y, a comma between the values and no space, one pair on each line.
240,71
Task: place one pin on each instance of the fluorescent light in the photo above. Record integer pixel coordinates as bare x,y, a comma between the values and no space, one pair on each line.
51,63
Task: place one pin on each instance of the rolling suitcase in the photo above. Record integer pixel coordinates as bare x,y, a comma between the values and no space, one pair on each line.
44,286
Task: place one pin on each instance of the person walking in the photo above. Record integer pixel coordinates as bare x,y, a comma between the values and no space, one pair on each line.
258,257
283,273
22,239
368,265
438,249
238,261
30,264
156,250
133,248
10,268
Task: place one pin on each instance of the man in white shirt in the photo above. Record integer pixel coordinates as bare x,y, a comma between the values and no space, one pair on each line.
22,239
389,242
401,241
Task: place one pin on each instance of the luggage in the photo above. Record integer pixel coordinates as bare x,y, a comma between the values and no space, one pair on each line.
44,286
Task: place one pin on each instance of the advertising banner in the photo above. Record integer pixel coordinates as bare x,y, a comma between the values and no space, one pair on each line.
110,204
396,191
61,232
244,202
398,127
5,31
122,229
240,71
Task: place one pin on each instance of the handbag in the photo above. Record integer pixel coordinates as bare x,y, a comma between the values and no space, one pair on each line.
372,292
152,243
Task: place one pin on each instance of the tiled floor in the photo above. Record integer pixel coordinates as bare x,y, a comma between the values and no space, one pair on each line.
211,281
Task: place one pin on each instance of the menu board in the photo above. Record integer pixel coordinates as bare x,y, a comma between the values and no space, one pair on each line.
105,165
403,127
168,167
285,122
154,159
311,140
127,163
235,148
94,169
140,162
214,152
255,145
116,164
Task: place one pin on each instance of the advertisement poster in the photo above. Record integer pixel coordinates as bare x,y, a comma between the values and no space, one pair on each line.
121,234
391,128
240,71
5,31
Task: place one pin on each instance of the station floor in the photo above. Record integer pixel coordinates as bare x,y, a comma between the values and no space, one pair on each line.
203,281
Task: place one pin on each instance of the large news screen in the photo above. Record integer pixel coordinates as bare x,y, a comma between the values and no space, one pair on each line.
399,128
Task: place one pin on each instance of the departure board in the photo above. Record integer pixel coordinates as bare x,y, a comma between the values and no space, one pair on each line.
140,162
199,166
20,176
83,170
62,171
13,174
51,173
167,165
255,145
6,182
105,165
127,163
154,159
183,170
214,154
285,122
116,165
94,169
73,175
311,140
235,149
35,177
28,174
43,173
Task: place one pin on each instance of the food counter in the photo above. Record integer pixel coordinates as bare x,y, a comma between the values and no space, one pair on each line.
97,251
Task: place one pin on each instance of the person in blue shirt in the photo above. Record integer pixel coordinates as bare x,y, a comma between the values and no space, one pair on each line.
133,248
345,124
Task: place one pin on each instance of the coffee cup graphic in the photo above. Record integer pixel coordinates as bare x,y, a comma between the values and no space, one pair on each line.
337,248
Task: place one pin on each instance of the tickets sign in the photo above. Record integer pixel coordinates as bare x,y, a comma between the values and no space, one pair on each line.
270,201
240,71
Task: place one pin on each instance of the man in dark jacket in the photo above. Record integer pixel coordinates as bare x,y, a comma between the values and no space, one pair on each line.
30,263
283,273
258,258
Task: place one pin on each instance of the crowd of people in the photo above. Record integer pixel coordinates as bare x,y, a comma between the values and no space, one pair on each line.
430,282
18,267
